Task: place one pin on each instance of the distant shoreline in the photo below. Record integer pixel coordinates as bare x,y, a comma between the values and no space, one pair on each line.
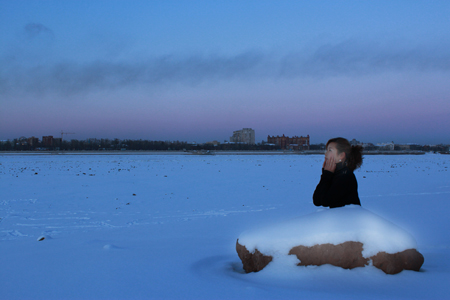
146,152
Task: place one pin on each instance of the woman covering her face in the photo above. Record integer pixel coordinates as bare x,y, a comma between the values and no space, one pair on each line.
338,186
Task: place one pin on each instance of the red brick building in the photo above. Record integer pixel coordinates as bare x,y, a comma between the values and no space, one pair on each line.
292,143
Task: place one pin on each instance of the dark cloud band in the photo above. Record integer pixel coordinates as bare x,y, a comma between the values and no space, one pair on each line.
32,30
349,58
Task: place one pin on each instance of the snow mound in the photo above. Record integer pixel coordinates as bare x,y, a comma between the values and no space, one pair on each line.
330,226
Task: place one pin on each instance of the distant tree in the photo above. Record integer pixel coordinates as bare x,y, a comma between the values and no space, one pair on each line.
320,146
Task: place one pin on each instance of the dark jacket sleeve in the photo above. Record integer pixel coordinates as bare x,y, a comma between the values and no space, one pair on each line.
331,190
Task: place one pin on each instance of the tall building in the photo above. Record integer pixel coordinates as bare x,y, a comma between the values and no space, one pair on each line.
47,141
33,141
246,136
293,143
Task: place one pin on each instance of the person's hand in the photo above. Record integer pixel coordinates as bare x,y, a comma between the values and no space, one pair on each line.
329,164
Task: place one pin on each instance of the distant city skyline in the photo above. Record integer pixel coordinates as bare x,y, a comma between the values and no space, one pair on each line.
375,71
266,140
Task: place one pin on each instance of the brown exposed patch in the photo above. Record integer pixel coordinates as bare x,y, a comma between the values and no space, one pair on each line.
252,262
409,259
347,255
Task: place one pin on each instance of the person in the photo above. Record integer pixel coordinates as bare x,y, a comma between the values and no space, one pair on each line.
338,186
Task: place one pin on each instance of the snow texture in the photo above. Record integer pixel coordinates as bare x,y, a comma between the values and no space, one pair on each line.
165,226
330,226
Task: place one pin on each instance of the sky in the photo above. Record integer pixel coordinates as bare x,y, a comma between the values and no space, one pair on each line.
376,71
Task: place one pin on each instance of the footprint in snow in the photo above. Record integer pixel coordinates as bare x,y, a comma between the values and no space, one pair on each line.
15,233
110,247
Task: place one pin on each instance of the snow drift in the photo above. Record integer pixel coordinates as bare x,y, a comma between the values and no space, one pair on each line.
348,237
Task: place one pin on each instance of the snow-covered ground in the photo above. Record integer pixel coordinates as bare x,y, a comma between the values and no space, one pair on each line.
165,226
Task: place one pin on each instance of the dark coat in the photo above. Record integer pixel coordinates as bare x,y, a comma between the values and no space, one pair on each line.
336,189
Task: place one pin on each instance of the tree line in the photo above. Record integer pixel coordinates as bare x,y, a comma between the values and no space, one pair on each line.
128,144
23,144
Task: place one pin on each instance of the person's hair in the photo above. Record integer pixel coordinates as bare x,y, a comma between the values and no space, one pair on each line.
353,154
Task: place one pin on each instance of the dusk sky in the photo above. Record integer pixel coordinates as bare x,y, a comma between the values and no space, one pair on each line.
376,71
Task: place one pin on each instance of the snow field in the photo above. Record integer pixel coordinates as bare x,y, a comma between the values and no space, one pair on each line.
165,227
